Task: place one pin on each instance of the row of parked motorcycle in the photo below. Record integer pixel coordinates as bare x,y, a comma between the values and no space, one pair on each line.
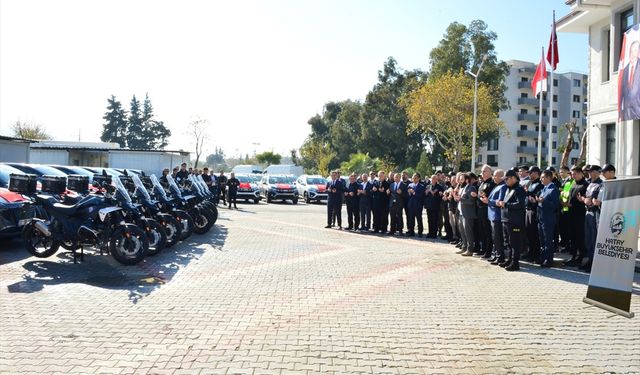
128,216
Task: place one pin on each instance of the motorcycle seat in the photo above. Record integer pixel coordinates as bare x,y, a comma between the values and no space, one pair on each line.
65,209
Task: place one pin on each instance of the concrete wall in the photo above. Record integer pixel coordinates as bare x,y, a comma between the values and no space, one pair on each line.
149,162
13,152
39,156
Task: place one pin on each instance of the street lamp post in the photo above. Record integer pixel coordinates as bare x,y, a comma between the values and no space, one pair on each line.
475,111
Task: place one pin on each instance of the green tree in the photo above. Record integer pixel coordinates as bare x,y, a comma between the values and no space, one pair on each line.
345,132
268,158
28,130
424,167
462,48
360,163
442,109
115,127
154,134
385,133
135,132
294,156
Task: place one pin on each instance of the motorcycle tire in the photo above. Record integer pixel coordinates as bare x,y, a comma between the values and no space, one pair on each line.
172,227
32,238
128,244
157,237
202,220
186,223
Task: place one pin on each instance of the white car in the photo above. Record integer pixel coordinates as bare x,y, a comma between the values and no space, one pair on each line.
248,189
312,188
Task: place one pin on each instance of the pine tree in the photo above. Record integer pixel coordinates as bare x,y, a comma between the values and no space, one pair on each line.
154,134
135,136
115,126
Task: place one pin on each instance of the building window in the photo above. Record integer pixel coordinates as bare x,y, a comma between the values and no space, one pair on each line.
523,111
574,161
492,160
554,129
522,160
610,143
523,143
524,95
553,160
523,127
555,83
555,97
576,98
555,145
576,83
524,79
576,146
576,114
625,21
492,145
544,96
555,114
479,158
606,56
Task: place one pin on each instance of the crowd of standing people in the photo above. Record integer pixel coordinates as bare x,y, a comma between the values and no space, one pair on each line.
223,188
502,216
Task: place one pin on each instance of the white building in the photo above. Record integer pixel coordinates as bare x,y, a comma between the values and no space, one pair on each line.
519,143
14,150
103,154
605,21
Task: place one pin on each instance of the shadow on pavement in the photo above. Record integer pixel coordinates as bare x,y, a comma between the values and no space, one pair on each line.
11,250
104,272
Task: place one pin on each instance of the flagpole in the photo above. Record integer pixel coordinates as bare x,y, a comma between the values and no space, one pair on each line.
553,59
542,90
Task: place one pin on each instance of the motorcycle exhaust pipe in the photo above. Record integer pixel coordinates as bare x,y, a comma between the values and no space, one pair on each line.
87,234
42,228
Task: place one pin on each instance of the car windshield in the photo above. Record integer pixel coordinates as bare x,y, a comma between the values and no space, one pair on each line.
243,179
280,180
5,171
316,181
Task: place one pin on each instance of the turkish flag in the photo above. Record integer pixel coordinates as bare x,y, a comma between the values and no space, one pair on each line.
552,51
539,83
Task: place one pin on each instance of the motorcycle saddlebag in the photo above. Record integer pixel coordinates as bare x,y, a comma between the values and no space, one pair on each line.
22,183
78,183
54,184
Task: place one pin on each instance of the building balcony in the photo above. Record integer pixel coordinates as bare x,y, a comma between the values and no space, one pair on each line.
531,150
529,101
524,85
531,134
532,117
527,69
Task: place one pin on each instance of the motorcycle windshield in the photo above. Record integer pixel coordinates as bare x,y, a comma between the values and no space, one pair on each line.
158,187
175,190
140,189
195,184
203,184
124,194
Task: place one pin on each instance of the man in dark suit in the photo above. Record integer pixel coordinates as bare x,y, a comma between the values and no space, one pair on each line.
232,187
484,225
532,188
380,204
433,201
494,213
630,92
548,201
365,202
352,199
334,200
415,192
396,204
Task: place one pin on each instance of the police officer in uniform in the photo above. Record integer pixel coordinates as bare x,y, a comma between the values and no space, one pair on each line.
592,217
222,188
577,212
232,187
548,201
416,194
484,225
495,216
352,200
513,209
533,189
380,204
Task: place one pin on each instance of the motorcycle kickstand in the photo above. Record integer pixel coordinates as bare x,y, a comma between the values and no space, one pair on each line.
82,253
75,255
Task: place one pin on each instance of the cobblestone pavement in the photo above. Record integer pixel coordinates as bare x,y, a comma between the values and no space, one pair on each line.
269,291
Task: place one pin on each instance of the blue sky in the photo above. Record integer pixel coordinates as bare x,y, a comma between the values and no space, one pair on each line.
258,70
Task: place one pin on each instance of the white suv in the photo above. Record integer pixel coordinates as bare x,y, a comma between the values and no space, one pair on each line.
279,186
312,188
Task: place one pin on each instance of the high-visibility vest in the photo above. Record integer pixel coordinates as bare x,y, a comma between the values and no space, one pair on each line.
564,194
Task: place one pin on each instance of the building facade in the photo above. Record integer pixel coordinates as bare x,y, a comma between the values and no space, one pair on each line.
605,22
518,143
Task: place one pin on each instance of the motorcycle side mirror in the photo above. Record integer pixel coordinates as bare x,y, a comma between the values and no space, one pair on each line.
126,173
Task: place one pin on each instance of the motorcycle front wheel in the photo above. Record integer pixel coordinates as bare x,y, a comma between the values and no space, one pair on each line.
128,244
157,237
